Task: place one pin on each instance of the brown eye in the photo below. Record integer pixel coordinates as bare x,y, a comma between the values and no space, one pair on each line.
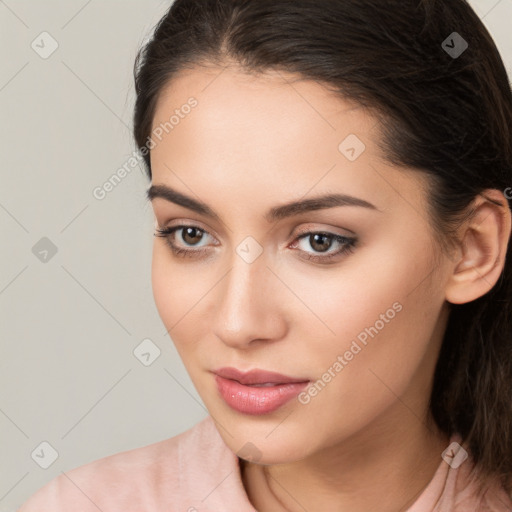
182,240
191,235
320,241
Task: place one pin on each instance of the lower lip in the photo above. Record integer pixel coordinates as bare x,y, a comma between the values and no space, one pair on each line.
257,400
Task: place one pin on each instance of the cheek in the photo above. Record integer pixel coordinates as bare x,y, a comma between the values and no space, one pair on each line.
383,312
368,288
174,288
180,292
176,285
381,364
163,285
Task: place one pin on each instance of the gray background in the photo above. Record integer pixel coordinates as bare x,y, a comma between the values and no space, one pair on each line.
70,322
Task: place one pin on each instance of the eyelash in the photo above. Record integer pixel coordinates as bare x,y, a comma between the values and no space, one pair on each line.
348,243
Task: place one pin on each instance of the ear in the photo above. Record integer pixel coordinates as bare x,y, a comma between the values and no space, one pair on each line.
482,248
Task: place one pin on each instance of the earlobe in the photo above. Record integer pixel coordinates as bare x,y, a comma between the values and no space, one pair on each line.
484,240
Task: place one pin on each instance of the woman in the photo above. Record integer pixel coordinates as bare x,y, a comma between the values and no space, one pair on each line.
329,180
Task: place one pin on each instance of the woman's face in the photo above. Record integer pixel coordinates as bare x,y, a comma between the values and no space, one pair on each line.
361,320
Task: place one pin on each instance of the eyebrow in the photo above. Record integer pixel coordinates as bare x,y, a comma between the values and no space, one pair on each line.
274,214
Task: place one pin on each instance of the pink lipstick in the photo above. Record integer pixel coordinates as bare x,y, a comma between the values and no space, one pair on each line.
257,391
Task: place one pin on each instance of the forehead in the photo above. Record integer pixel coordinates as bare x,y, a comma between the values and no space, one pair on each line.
252,120
273,98
272,131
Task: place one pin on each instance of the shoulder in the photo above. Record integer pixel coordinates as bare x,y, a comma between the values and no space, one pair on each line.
167,475
458,485
468,488
472,490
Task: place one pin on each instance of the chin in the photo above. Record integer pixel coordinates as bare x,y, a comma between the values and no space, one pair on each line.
261,442
270,453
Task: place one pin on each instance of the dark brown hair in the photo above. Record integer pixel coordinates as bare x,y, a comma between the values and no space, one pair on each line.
445,115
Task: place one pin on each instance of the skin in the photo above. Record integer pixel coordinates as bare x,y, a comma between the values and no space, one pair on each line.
253,142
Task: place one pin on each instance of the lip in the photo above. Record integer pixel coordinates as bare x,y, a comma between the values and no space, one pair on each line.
257,391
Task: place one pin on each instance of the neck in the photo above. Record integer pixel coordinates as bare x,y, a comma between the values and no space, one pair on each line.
377,469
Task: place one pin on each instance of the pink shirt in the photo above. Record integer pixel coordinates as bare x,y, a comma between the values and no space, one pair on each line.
196,472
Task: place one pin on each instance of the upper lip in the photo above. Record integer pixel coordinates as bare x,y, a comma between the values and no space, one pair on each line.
256,376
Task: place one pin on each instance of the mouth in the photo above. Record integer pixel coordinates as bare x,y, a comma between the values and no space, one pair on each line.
258,391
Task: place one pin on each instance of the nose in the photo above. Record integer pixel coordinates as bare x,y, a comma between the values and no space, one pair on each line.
249,305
